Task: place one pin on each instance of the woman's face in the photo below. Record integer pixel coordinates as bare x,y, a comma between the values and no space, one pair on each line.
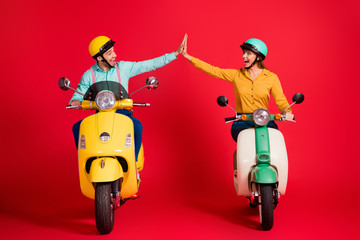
248,57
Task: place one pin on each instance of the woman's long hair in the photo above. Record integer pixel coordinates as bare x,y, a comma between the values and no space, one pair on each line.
261,63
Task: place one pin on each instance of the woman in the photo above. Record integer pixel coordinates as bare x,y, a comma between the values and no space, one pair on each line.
253,84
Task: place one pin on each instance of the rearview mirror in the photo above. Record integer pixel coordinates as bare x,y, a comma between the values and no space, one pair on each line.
152,83
298,98
222,101
64,84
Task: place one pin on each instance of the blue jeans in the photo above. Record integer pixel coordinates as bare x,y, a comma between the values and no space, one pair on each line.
137,131
237,127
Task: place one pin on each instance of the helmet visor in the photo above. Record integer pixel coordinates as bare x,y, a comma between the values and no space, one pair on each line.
252,48
109,44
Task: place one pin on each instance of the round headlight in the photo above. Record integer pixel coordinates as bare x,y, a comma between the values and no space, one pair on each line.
105,100
105,136
261,116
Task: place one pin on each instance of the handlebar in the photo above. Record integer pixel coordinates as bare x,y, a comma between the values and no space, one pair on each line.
120,104
141,104
272,118
72,107
230,119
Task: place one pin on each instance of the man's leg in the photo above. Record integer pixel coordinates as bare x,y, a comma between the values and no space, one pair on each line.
76,131
138,128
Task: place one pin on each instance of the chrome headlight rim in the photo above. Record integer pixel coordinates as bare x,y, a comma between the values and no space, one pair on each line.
261,116
105,100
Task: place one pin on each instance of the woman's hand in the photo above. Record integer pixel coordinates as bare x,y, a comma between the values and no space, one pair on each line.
181,47
184,52
289,116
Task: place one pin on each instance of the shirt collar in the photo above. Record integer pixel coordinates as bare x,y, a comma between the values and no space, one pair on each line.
264,72
98,69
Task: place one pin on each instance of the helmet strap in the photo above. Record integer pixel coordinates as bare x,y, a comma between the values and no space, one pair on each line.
253,64
103,60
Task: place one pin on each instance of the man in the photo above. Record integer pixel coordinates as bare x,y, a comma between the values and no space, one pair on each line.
107,69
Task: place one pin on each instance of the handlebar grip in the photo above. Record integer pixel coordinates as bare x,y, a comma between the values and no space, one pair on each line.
141,104
71,107
230,118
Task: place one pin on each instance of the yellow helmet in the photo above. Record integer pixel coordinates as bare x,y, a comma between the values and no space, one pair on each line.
100,45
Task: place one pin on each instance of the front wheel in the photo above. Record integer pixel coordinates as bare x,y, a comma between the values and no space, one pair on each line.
266,207
104,211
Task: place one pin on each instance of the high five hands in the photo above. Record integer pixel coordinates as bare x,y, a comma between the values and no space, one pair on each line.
183,49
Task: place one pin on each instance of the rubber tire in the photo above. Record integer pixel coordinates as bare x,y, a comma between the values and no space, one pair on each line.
104,213
266,208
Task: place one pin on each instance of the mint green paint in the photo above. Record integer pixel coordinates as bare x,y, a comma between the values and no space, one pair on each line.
264,173
262,144
258,44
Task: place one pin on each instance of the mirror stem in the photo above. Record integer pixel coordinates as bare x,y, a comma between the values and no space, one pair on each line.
136,91
232,109
289,106
76,91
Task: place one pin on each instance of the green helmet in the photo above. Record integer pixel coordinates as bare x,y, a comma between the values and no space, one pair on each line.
255,45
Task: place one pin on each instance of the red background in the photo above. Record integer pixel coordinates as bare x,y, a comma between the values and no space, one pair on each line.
187,186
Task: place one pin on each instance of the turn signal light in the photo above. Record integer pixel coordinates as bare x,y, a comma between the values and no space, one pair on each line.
243,117
278,116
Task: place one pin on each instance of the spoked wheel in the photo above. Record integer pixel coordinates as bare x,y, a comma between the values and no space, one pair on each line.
104,211
266,206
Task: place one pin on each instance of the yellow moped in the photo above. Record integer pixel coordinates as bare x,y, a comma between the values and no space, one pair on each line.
106,153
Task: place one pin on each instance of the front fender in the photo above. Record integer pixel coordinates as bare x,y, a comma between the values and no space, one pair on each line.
264,173
105,169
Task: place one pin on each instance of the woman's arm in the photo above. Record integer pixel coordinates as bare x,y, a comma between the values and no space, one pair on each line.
280,99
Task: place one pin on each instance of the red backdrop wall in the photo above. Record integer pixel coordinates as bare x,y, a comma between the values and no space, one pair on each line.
187,183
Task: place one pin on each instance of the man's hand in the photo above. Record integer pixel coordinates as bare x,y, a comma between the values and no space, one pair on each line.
76,104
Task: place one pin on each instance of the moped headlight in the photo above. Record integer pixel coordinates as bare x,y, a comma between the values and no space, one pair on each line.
105,100
105,137
261,116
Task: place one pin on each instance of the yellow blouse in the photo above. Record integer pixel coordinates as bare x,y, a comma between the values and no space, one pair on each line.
249,94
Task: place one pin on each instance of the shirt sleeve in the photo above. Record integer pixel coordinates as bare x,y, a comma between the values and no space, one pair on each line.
225,74
85,83
278,95
150,65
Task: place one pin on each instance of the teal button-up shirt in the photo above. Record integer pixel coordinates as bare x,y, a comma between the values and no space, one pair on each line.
127,70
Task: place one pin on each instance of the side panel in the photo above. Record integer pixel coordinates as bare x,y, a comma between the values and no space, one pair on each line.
279,158
246,160
141,159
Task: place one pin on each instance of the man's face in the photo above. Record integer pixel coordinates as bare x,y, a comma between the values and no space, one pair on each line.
110,56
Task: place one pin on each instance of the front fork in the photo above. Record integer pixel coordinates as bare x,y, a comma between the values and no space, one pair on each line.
115,194
254,199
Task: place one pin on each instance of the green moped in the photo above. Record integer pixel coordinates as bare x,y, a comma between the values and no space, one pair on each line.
260,161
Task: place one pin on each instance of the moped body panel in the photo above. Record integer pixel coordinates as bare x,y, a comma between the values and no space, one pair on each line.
91,151
246,160
105,169
263,173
